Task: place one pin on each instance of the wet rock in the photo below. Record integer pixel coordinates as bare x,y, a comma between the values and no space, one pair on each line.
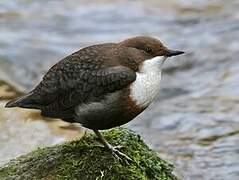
84,159
7,91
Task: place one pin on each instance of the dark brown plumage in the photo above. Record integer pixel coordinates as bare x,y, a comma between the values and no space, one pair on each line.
91,86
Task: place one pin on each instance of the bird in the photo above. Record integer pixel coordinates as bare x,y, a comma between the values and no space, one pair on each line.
101,86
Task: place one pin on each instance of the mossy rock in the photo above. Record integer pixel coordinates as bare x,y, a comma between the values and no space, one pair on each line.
85,159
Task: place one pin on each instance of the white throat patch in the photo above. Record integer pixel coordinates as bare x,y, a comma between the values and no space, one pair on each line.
146,86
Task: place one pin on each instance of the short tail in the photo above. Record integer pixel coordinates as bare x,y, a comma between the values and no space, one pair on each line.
25,101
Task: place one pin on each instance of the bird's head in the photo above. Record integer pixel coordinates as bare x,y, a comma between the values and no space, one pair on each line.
152,47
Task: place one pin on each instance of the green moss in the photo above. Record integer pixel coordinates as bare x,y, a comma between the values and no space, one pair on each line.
84,159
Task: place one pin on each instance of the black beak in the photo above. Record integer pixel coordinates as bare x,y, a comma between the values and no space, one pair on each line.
173,53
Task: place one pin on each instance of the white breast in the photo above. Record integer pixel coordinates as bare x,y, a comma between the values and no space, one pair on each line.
147,84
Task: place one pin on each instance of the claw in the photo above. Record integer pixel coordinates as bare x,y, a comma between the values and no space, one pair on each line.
118,147
115,150
119,155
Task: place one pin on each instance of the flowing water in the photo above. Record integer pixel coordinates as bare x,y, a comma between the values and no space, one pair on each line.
195,121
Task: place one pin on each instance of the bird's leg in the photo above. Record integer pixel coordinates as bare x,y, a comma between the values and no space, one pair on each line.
111,148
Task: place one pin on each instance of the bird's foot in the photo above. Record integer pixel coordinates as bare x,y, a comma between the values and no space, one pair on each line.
117,147
118,154
114,149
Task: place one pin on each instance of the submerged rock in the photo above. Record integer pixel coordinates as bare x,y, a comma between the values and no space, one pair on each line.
85,159
8,91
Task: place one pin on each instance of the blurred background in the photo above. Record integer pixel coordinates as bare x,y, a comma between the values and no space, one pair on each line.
194,123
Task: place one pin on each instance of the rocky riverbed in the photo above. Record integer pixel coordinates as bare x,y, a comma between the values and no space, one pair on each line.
194,123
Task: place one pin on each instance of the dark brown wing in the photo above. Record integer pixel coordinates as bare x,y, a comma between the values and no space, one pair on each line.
89,86
79,78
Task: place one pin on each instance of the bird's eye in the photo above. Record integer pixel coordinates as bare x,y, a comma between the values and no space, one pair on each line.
144,48
148,50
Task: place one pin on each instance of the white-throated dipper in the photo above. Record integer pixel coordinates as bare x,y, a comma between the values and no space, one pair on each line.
101,86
